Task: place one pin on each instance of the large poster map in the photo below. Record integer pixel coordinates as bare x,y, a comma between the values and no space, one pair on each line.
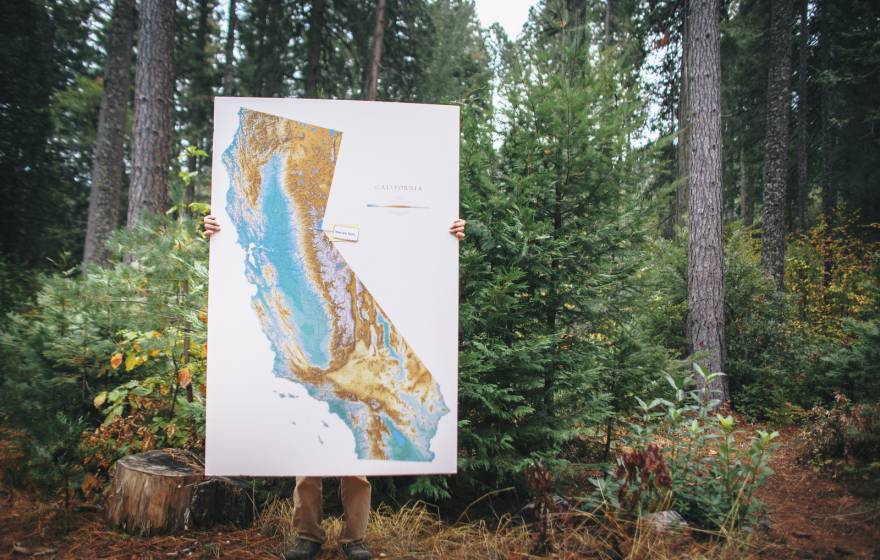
328,336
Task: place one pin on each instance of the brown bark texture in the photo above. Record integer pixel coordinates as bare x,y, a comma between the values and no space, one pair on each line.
108,160
376,57
316,28
776,141
803,69
153,106
229,50
680,207
705,249
166,491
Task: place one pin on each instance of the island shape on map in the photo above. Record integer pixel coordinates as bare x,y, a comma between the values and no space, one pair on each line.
326,330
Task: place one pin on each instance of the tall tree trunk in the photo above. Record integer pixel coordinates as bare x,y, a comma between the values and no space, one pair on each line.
705,249
803,56
376,58
316,28
829,192
776,142
202,92
153,106
682,152
229,50
108,158
745,193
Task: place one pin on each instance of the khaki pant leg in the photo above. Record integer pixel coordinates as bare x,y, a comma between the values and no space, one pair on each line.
307,511
355,492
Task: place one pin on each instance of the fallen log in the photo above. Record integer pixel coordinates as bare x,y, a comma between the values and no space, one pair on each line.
166,491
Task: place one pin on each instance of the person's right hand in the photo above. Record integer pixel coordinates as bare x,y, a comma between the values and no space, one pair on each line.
212,226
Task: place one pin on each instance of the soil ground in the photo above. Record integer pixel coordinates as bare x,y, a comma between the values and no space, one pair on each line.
812,516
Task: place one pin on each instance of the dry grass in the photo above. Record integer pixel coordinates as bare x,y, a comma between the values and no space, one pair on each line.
415,532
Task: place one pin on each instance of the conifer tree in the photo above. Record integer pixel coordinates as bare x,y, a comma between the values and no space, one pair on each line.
108,160
153,111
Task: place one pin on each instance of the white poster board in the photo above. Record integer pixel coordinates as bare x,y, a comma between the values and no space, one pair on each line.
333,294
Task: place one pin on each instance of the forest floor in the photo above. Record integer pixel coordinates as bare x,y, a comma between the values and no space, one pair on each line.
812,516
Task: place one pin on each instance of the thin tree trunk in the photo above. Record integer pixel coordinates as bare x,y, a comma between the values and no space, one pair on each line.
316,28
745,193
153,106
803,56
776,142
108,158
829,193
705,249
681,192
201,99
376,58
229,51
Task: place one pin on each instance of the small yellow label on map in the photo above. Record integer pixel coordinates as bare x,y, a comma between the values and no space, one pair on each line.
344,233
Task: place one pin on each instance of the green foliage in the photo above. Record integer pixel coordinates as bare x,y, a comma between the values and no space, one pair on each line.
105,343
685,459
551,351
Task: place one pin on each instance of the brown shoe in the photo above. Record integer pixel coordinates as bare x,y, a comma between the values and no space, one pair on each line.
304,549
356,551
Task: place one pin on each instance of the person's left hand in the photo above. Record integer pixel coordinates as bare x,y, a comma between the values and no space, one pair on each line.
457,228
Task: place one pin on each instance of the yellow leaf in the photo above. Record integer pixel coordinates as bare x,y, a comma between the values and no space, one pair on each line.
184,377
100,399
131,362
153,352
205,350
116,360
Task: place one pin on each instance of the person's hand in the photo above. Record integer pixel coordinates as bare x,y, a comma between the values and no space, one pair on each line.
212,226
457,228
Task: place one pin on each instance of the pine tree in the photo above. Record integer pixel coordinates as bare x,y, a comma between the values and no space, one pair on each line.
153,111
376,44
776,142
108,160
705,249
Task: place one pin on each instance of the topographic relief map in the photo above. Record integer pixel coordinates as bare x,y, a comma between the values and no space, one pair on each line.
326,331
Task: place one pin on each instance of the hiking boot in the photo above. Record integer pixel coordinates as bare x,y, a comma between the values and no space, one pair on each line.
356,551
304,549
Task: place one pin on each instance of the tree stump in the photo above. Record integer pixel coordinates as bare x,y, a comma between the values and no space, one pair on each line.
166,491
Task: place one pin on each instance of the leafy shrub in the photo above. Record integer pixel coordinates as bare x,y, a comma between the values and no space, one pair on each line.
845,438
681,457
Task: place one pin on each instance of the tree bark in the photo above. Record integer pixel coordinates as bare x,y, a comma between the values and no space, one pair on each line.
705,249
829,192
376,58
229,51
109,158
681,192
803,58
776,142
153,106
316,27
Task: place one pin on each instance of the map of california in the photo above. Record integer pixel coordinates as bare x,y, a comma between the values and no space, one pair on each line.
326,330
